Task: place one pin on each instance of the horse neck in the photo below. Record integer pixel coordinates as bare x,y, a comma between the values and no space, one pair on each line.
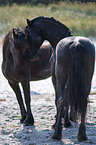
53,31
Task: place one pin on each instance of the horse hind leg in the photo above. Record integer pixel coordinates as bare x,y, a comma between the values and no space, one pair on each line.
58,126
73,114
56,99
54,85
17,91
60,99
82,129
67,122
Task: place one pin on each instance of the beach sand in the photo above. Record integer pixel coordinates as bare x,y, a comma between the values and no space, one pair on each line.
43,109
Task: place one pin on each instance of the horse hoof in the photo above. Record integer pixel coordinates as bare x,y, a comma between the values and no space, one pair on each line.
22,119
67,124
73,119
53,126
57,137
82,134
29,121
82,138
28,124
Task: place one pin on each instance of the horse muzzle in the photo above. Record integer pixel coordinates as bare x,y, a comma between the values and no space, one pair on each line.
18,67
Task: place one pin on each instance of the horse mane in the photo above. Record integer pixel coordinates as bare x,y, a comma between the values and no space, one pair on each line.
17,41
49,19
44,18
8,35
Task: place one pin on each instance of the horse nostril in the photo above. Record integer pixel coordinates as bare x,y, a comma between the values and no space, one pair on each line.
16,67
19,67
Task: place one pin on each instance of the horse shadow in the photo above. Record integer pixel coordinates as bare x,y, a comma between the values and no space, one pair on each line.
35,93
30,135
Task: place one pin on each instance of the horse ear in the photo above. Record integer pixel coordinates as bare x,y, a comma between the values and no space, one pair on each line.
14,34
28,22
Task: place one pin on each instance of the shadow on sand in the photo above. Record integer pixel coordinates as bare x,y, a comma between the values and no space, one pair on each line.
31,136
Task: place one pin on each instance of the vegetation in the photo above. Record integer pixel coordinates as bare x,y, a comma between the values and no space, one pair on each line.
4,2
79,17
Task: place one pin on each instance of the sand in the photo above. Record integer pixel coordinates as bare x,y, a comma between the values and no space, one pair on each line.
43,109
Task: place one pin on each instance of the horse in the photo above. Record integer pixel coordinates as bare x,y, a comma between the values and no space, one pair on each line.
72,67
17,67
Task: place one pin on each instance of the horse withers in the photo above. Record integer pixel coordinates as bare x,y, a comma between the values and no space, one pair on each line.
17,67
72,68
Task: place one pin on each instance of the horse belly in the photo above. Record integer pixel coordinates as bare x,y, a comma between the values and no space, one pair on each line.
40,75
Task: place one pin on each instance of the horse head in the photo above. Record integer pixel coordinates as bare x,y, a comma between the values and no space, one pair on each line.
18,47
44,28
34,39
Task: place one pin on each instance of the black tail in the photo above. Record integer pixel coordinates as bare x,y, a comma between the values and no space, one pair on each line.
76,89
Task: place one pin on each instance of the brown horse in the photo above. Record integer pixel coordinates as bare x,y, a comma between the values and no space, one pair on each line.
18,68
72,68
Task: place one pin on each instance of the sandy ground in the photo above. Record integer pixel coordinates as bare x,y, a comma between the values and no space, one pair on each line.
43,108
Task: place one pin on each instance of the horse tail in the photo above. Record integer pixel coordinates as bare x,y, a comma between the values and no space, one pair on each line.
76,89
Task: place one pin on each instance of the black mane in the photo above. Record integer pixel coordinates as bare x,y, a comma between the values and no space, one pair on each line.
51,20
20,41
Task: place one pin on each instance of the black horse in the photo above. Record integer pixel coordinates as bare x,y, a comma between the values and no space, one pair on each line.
72,68
18,67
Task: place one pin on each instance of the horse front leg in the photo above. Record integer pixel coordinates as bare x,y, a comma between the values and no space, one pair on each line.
29,120
17,91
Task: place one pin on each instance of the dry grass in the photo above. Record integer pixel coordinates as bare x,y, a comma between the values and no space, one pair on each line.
80,18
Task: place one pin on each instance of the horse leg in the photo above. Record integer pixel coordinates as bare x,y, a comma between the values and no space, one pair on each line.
54,85
88,77
17,91
66,118
29,120
82,129
73,114
60,100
